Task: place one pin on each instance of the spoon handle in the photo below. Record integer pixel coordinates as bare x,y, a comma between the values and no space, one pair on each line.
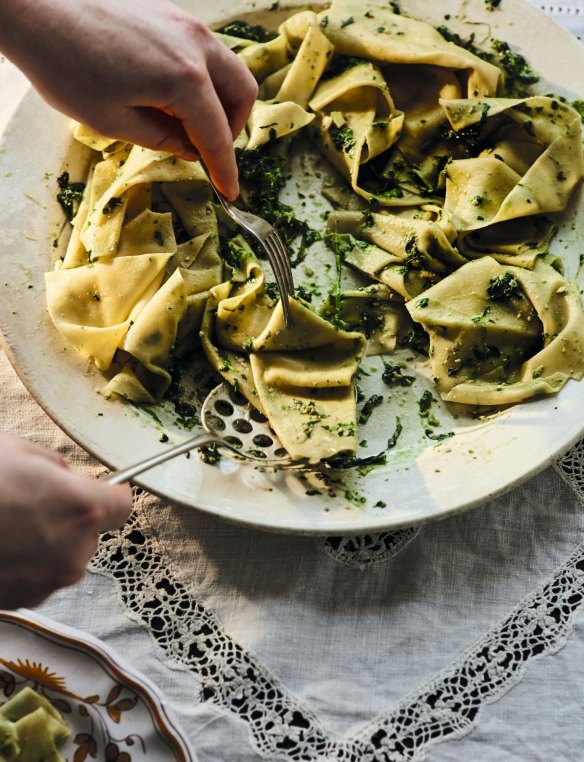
124,474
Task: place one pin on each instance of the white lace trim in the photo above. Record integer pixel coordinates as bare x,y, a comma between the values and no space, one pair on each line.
571,469
367,550
449,705
191,637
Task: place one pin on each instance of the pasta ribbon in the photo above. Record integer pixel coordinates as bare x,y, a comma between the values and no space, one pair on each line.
373,31
499,334
299,376
531,167
357,119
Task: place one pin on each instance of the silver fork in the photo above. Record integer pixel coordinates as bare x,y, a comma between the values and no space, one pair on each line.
269,239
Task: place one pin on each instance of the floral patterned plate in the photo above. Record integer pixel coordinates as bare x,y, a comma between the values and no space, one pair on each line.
115,714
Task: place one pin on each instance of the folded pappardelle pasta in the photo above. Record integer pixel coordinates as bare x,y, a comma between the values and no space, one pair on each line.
443,210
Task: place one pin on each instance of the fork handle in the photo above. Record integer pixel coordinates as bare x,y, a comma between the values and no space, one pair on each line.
124,474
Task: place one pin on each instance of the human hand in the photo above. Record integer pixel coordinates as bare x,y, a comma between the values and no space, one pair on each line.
144,72
50,518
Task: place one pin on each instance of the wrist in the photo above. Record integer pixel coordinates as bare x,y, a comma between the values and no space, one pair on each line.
27,26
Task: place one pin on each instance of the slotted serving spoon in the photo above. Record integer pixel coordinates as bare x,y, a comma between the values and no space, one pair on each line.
231,422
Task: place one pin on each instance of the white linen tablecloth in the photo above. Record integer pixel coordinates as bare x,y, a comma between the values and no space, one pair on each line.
462,641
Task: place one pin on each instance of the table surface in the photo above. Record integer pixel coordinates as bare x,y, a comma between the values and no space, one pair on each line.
462,640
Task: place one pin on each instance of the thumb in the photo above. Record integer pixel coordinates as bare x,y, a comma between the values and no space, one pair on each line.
117,502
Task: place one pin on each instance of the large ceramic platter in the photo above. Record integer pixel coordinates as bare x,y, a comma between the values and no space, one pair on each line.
423,480
111,710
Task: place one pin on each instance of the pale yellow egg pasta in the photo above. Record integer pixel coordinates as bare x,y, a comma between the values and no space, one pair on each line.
445,195
31,729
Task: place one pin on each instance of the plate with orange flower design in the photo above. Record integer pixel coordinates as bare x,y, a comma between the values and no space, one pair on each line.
114,713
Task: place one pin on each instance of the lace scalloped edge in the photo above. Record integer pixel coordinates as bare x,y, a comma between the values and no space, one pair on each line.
190,637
